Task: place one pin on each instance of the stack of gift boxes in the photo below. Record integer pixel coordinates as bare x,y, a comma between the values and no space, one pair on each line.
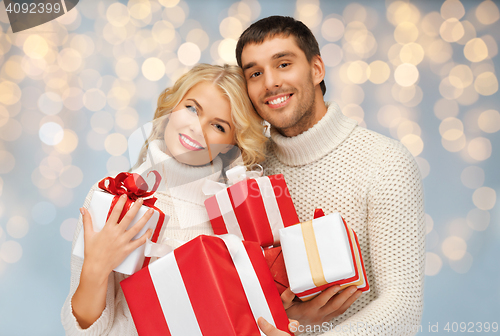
221,285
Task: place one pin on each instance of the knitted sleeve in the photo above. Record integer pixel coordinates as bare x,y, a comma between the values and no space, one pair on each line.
396,234
103,324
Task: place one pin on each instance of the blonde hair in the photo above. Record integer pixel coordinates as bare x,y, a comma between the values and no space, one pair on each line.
249,126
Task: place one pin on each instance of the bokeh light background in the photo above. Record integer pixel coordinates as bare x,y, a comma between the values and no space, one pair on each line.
72,91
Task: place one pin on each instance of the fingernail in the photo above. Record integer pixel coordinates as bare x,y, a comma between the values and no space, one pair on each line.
123,196
82,211
263,322
358,294
139,200
352,290
150,211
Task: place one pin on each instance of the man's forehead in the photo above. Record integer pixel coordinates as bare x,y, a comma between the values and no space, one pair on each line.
268,47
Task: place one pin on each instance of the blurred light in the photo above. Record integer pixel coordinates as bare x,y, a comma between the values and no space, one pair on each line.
452,30
424,166
13,68
226,50
139,9
11,251
4,116
479,148
35,46
43,213
476,50
469,96
445,108
394,53
10,93
408,127
127,118
352,94
354,112
118,97
189,54
491,45
153,69
463,265
115,144
332,29
389,116
126,68
50,167
51,133
69,59
96,140
452,9
118,14
17,227
50,103
94,99
102,122
488,121
487,12
459,228
163,32
461,76
406,32
451,128
71,177
454,248
117,164
414,144
433,264
33,67
401,11
114,35
198,37
484,198
431,23
455,145
309,13
449,91
412,53
429,223
469,32
406,74
478,219
472,177
486,84
379,72
67,228
12,130
358,72
231,27
331,54
175,15
169,3
439,51
68,143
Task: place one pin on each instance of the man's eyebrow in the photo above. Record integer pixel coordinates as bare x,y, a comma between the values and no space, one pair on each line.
196,103
274,57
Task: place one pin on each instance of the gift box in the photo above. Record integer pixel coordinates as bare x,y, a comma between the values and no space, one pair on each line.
253,209
102,203
210,286
276,264
321,253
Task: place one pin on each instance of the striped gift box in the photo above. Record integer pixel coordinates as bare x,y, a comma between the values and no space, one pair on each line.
253,209
210,286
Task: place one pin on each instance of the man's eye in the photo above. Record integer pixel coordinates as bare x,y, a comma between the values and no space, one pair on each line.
220,128
283,65
192,109
255,74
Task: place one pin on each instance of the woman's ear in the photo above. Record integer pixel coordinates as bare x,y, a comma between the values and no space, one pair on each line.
227,149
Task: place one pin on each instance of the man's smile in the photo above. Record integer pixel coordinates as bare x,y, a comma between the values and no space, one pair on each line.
278,101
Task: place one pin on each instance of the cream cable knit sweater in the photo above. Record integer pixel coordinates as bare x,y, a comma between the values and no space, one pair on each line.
181,198
374,182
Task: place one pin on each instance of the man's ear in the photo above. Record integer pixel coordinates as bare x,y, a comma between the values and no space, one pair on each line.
318,69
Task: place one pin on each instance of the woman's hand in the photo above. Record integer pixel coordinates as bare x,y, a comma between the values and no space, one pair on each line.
322,308
270,330
104,251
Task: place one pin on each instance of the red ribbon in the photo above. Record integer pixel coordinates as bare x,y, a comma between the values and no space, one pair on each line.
134,186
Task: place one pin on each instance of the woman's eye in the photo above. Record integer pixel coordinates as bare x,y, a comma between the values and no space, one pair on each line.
192,109
220,128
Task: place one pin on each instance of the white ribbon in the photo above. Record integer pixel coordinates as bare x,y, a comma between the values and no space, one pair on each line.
161,249
234,175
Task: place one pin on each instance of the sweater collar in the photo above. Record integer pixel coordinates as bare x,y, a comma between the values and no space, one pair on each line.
316,142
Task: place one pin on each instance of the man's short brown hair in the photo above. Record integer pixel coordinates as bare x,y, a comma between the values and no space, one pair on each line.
280,26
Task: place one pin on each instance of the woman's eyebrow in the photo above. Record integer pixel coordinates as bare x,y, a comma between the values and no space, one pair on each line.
196,103
222,120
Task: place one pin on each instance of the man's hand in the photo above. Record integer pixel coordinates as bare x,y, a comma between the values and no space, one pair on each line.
270,330
322,308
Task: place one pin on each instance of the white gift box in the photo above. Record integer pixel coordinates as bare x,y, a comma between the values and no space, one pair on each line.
328,244
98,209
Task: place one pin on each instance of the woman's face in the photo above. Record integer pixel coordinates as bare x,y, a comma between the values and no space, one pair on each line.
200,126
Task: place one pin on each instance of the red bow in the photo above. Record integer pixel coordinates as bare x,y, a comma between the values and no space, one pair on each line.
134,186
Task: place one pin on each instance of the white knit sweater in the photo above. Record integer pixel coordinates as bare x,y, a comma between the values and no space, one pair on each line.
180,197
375,184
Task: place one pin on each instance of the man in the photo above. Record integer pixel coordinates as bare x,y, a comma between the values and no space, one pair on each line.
331,163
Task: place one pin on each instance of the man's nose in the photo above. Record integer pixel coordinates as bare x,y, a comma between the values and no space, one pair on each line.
272,80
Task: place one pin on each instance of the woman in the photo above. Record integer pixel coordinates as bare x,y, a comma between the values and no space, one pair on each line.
202,121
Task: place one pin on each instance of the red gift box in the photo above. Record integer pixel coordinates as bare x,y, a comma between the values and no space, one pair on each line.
210,286
276,264
253,209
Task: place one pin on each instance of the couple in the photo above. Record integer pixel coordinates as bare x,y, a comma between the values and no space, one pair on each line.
328,162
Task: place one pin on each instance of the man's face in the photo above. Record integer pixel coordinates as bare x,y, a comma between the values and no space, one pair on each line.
281,83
